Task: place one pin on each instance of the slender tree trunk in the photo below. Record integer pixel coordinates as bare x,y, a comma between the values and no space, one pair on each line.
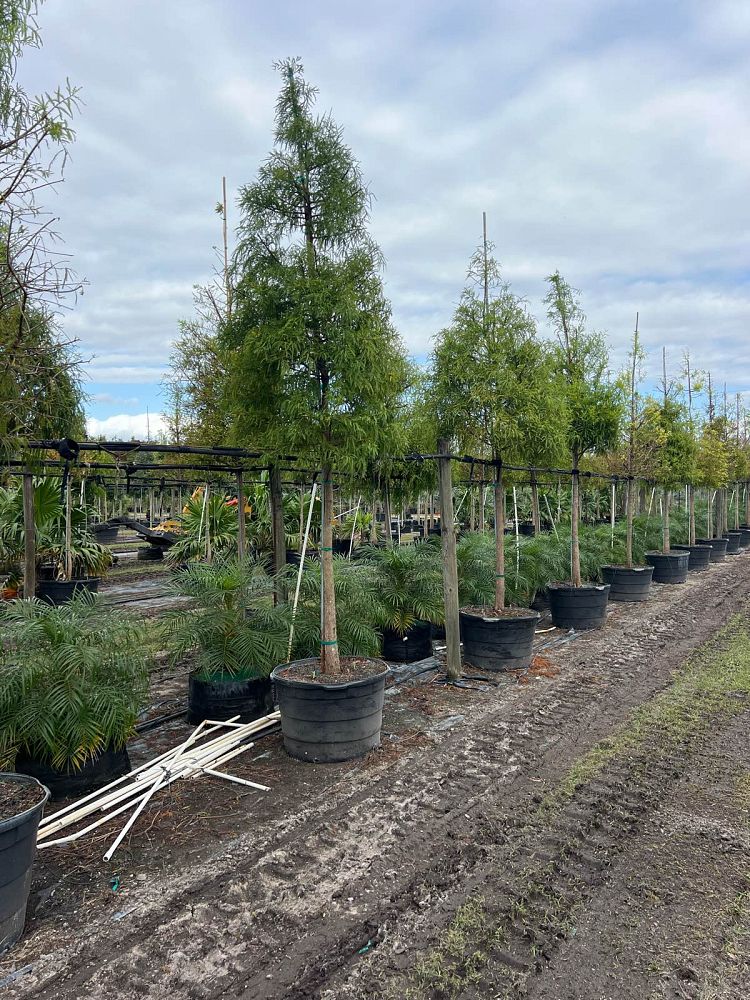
535,514
691,515
736,506
575,554
709,504
278,534
499,539
330,661
240,517
642,500
374,519
629,505
68,530
665,521
481,509
473,512
29,537
747,504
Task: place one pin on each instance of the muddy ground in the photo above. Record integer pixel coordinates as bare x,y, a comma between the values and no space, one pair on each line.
579,832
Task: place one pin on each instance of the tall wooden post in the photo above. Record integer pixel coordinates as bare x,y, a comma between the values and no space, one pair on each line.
240,517
29,537
450,566
68,530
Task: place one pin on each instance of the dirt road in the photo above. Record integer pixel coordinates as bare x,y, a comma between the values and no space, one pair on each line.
584,835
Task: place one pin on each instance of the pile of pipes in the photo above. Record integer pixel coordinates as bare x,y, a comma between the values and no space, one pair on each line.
194,757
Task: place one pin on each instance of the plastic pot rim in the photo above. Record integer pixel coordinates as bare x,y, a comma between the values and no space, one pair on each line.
525,614
316,686
630,569
586,585
23,779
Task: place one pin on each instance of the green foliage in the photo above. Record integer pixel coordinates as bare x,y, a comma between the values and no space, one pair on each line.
72,679
356,599
207,524
408,585
233,625
712,459
594,401
317,366
666,424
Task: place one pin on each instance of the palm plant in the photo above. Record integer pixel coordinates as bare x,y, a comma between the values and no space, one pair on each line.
356,598
233,625
409,586
72,680
208,528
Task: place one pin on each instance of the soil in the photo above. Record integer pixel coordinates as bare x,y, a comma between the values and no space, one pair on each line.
563,584
16,797
489,612
352,669
500,844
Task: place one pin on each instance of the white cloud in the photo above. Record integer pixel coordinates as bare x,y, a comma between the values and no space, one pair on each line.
127,427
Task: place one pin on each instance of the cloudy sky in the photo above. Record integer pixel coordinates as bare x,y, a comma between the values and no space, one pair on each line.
610,140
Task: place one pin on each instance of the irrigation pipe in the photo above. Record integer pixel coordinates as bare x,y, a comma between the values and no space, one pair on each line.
299,571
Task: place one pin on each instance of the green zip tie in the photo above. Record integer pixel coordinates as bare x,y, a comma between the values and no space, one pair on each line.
329,642
500,576
326,548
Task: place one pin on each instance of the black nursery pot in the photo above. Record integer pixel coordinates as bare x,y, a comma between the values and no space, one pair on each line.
223,698
149,553
718,547
106,533
69,783
415,645
699,556
745,538
62,591
582,607
734,538
326,723
499,643
17,851
628,583
669,567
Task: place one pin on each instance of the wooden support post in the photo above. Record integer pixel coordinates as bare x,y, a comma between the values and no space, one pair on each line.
68,530
29,537
240,517
277,519
450,566
387,517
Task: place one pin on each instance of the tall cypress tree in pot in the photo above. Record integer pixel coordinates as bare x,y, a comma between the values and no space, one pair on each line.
496,393
317,370
594,411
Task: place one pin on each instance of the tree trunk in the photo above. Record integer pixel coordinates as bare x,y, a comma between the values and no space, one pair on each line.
629,507
481,509
387,517
535,514
374,519
473,512
575,550
68,530
450,566
277,525
736,506
691,515
240,517
665,521
499,539
330,662
747,503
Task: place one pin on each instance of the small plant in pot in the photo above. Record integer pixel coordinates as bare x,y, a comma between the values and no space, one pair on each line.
318,372
73,678
673,466
594,413
408,587
236,633
629,582
495,388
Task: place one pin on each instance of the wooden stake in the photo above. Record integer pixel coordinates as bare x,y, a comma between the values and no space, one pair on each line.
29,537
240,517
450,566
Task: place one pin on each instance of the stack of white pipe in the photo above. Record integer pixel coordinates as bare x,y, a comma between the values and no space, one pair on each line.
134,790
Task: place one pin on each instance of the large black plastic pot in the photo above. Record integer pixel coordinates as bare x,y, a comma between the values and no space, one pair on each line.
17,850
69,783
62,591
149,553
329,722
699,556
718,547
745,539
582,607
223,698
733,542
669,567
106,533
499,643
628,583
415,645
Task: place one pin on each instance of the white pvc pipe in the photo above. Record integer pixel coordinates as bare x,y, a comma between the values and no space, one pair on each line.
299,572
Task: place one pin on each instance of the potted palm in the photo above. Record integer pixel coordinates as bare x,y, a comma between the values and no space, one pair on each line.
495,389
317,371
208,527
408,585
594,411
236,634
73,678
629,582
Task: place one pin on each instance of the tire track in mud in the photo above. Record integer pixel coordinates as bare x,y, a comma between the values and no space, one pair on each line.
285,910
